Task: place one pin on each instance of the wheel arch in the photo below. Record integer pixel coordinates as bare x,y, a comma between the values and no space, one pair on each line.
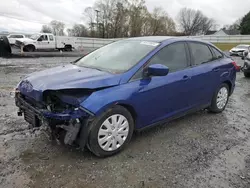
27,45
230,85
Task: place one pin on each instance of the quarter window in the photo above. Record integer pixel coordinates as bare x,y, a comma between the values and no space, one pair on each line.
217,53
201,53
173,56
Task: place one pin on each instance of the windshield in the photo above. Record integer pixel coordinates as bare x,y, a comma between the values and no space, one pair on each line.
35,36
241,46
117,57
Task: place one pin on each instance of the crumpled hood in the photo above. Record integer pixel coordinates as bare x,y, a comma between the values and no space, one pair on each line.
238,49
25,40
66,77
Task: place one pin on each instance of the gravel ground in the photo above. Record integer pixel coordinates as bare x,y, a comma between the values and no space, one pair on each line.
199,150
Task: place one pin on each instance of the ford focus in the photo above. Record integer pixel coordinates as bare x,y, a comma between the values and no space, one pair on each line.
99,100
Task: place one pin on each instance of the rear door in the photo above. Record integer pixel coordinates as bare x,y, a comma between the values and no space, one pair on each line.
52,43
205,76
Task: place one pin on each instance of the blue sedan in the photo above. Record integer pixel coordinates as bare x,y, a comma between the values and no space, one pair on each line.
99,100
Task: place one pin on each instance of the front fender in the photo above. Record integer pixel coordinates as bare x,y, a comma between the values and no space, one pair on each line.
101,100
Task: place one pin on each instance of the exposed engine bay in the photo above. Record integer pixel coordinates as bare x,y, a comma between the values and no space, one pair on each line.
59,110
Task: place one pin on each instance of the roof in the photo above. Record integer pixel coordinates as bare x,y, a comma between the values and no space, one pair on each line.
45,33
227,32
160,39
232,32
210,32
246,45
152,38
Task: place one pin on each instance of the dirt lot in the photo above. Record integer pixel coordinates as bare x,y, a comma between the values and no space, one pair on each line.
199,150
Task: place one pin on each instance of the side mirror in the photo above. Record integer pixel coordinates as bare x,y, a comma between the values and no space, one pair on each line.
39,39
157,70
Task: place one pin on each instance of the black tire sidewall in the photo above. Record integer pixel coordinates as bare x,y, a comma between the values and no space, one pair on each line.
214,108
96,124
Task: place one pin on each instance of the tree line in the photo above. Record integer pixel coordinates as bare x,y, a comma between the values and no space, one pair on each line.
131,18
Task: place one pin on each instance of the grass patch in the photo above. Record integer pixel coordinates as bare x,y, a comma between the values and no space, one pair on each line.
225,46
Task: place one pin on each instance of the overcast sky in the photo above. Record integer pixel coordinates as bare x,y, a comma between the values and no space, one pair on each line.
70,11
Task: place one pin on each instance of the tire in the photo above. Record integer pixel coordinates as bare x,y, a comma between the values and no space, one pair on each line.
247,74
215,106
95,140
68,48
29,48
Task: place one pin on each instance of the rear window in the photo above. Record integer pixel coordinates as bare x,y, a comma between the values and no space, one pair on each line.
217,53
201,53
16,36
51,38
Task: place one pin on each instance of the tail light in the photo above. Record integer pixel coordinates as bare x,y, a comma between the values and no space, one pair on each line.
237,67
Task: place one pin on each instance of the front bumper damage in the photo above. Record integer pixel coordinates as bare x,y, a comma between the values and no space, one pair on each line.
72,122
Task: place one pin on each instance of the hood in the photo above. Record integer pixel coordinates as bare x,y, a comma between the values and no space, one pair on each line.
67,77
25,40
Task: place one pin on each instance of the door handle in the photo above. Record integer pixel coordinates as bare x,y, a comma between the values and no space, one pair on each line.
186,78
216,69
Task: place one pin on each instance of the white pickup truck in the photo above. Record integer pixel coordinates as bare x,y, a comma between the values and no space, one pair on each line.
46,41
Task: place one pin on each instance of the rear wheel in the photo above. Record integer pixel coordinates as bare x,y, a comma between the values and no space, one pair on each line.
247,74
220,99
68,48
111,131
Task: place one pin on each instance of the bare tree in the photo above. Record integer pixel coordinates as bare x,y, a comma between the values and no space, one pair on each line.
57,27
46,29
127,18
89,13
137,15
159,23
193,22
78,30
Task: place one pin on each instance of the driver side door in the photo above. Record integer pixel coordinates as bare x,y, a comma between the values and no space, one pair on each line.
161,97
43,42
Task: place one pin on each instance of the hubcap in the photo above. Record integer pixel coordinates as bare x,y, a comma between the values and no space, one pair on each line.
222,98
113,132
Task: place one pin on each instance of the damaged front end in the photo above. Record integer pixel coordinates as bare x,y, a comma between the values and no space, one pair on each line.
60,111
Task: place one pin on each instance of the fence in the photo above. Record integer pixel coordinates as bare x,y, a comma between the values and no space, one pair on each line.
224,39
89,44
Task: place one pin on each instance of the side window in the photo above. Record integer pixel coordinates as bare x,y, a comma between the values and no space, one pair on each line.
51,38
217,53
201,53
173,56
44,37
11,36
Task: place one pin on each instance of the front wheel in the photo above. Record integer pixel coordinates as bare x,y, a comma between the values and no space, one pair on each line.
220,99
111,131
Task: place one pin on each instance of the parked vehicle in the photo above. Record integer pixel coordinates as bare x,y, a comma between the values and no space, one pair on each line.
46,41
238,50
13,37
5,48
99,100
246,66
